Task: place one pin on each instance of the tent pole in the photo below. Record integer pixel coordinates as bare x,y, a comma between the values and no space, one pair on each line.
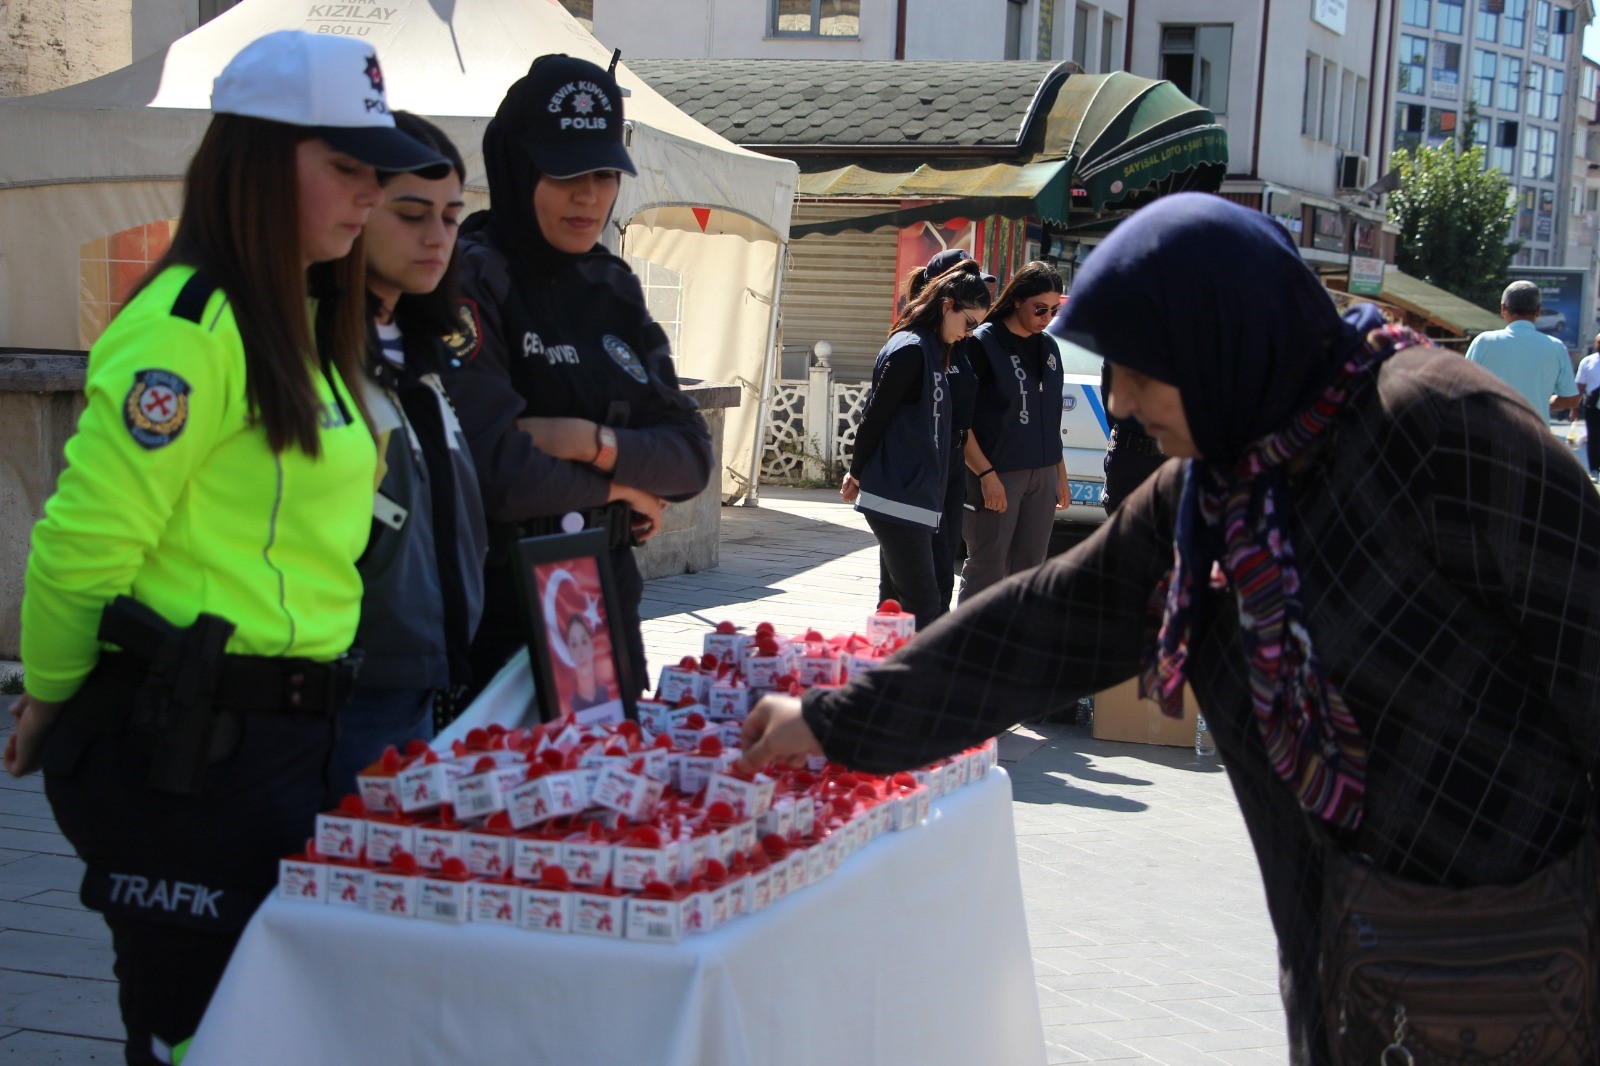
752,496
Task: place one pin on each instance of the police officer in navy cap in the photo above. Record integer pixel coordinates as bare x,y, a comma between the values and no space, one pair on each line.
564,383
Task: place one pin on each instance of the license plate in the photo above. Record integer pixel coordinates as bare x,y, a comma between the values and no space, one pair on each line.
1086,492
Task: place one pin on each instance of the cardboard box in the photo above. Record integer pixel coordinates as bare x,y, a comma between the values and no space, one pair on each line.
1119,714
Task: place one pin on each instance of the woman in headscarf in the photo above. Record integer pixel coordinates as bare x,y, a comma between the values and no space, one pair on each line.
566,387
1375,566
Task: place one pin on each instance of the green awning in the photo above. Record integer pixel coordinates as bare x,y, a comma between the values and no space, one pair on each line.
1013,190
1128,135
1107,138
1446,308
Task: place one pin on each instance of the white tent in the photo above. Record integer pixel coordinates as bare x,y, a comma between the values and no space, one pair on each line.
83,163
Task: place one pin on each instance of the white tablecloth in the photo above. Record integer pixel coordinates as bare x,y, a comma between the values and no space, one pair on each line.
915,950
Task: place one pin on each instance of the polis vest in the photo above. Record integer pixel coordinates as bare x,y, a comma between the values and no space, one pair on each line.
904,480
1018,416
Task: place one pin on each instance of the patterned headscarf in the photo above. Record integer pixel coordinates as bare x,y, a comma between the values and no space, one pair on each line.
1214,299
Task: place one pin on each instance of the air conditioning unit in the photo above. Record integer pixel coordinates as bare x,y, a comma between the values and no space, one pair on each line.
1351,172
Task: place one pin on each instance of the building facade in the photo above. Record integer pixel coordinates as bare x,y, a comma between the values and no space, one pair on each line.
1092,35
1506,75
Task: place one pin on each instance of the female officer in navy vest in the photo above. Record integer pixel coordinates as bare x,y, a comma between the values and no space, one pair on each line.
1016,478
899,467
566,387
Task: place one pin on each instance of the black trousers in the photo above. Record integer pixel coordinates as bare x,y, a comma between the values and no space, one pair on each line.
177,878
906,553
501,632
1591,422
947,545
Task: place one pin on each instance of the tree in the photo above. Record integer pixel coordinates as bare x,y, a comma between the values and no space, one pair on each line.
1454,217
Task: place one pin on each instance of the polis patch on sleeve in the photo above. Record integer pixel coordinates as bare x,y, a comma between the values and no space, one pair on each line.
157,408
466,341
623,356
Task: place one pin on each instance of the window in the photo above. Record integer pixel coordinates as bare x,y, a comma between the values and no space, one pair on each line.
1530,154
1444,79
1196,59
1414,12
1080,36
1547,155
1483,77
1311,101
1480,134
1447,16
1441,126
1358,142
1510,95
1555,84
1413,63
1329,130
1347,111
1558,40
1108,34
1591,82
1535,90
1591,201
816,18
1503,153
1541,27
1488,19
1514,23
1408,123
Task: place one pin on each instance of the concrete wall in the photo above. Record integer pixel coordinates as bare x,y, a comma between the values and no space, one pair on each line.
49,44
738,29
40,398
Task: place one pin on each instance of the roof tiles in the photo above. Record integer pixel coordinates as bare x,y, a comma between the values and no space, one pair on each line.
795,102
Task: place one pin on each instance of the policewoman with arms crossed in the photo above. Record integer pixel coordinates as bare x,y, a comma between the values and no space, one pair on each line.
566,387
192,589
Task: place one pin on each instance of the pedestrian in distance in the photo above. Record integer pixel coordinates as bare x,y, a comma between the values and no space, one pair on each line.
1535,365
216,495
563,380
1587,379
1016,476
1379,573
422,571
963,388
899,469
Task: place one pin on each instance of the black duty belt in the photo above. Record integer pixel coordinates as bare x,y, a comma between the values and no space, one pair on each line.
256,684
615,518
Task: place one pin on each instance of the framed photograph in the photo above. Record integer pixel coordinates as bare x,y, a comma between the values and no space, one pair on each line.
576,646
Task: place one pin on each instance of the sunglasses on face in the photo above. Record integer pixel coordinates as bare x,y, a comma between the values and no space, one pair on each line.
1042,311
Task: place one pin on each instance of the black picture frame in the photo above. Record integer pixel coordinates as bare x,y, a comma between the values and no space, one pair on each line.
551,613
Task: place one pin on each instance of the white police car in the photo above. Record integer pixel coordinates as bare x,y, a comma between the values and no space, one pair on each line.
1084,431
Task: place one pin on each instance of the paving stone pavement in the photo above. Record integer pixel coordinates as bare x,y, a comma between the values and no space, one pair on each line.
1149,932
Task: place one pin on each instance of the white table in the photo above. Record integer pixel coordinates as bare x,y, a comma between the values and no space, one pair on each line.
914,951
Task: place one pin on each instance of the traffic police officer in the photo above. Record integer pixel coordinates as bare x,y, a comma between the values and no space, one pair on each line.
216,495
566,387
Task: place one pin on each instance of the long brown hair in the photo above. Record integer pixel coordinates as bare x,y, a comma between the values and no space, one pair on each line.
239,225
1033,279
964,289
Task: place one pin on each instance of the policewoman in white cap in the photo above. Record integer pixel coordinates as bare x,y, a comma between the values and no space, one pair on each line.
192,589
566,387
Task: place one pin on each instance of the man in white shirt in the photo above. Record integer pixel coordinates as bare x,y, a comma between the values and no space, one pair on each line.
1588,381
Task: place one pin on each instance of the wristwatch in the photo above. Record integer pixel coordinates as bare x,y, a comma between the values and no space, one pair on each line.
605,454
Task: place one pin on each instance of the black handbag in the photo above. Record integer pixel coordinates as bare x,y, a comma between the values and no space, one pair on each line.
1488,976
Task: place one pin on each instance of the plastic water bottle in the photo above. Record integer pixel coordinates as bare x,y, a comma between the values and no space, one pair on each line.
1205,746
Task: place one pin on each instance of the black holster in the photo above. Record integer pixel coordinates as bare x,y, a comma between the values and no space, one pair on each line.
174,707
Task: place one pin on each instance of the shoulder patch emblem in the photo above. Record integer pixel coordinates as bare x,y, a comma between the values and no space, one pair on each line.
157,408
1051,361
623,356
467,340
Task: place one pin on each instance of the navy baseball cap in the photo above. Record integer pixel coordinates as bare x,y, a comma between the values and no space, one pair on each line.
947,260
566,116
